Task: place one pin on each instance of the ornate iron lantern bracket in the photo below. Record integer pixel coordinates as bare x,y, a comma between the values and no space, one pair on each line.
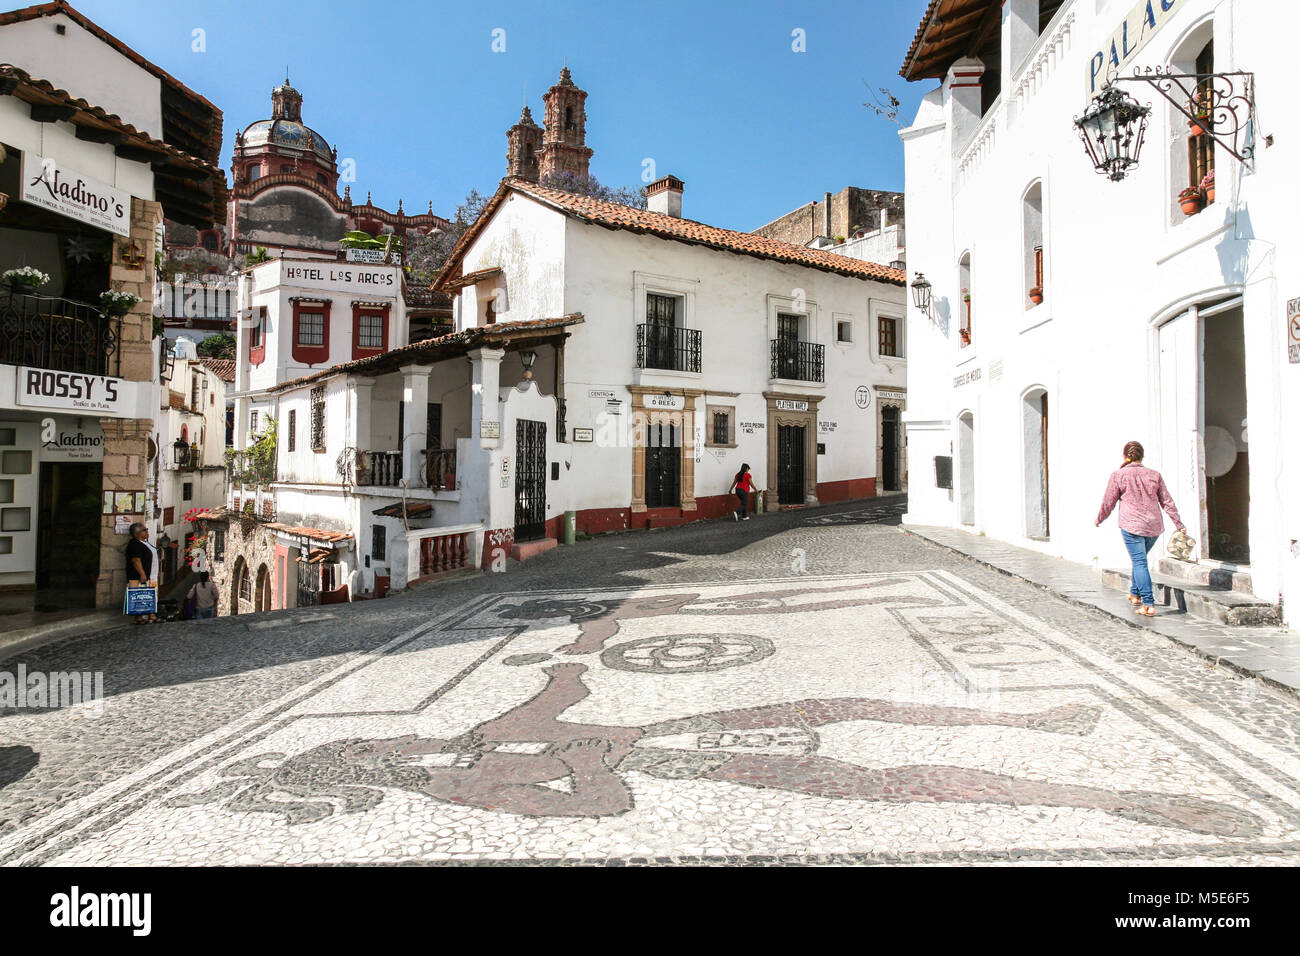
1222,103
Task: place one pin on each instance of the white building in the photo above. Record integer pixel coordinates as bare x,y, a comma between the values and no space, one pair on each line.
1071,313
96,145
618,363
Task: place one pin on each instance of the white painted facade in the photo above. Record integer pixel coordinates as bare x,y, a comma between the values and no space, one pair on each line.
1154,326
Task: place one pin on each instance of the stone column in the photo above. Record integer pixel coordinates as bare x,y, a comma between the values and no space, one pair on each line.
126,453
486,380
415,395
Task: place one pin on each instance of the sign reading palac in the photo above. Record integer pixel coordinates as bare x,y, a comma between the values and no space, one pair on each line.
1127,40
68,193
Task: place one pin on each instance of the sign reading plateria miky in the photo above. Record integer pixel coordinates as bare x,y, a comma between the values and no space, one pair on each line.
1127,40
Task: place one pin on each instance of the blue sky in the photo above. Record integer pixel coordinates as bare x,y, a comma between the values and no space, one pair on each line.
710,90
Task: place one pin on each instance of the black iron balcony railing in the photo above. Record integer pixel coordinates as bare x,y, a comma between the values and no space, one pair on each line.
798,361
667,347
382,468
440,468
58,334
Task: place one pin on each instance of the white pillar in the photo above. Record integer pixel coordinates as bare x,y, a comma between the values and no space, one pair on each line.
486,383
963,89
415,396
1019,34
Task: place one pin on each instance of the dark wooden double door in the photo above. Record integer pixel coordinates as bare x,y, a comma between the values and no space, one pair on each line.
791,445
663,466
530,479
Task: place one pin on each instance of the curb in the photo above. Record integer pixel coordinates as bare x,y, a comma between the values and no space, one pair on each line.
1136,625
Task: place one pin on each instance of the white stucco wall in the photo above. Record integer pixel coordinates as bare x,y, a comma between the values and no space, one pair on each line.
1120,259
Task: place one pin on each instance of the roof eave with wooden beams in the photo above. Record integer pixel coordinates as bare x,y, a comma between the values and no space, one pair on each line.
949,30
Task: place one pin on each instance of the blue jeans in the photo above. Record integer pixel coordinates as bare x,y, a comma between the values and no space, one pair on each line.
744,503
1138,546
202,613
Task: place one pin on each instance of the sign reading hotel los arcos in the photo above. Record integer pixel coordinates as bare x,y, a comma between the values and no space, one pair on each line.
331,275
68,193
43,388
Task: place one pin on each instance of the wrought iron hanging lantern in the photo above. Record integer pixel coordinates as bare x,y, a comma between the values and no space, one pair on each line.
180,452
921,292
528,357
1113,127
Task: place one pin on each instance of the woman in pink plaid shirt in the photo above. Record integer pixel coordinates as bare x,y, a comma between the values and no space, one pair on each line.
1140,493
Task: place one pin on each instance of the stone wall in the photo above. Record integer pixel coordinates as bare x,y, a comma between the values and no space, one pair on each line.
851,208
246,540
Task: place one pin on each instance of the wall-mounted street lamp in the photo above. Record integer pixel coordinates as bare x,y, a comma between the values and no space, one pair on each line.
1113,127
180,452
921,292
528,357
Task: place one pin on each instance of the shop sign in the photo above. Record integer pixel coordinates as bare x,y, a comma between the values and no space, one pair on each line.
43,388
786,405
489,429
374,256
673,402
890,393
69,193
333,276
1127,40
751,428
64,442
827,428
584,434
1293,331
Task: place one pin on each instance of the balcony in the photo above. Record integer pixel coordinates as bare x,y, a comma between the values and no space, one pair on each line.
667,347
189,460
58,334
381,469
798,361
440,469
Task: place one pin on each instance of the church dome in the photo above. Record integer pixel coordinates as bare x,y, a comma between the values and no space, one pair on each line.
288,134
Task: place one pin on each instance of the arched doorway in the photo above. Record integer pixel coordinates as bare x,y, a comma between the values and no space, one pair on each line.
262,600
966,467
1037,508
238,584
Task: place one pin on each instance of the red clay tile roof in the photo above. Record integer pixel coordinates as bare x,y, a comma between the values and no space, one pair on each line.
616,216
314,534
224,369
175,399
435,349
949,30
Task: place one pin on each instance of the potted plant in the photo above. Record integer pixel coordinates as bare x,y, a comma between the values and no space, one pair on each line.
1200,108
1036,295
117,303
965,295
965,336
1190,200
1207,187
26,280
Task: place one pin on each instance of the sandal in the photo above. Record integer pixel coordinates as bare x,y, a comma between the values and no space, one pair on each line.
1134,600
1146,610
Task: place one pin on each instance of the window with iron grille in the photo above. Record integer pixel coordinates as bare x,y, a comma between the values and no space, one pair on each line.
1200,148
318,418
378,542
252,422
311,328
888,336
218,544
293,429
721,428
196,397
370,330
187,491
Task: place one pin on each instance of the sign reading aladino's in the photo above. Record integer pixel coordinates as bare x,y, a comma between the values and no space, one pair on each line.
1128,38
68,193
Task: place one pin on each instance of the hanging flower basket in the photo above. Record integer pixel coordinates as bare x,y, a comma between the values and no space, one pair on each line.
117,303
1190,200
26,280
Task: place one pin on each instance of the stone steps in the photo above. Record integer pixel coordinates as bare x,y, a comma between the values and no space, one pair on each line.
1221,605
1207,573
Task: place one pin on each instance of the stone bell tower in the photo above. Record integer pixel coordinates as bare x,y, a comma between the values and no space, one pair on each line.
286,103
523,147
564,142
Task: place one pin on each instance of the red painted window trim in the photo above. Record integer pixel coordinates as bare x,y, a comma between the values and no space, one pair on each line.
357,312
311,354
257,353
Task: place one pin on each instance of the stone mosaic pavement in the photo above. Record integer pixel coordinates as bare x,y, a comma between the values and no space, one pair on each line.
808,687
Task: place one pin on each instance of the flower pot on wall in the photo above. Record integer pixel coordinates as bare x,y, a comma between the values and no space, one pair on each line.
1199,126
1191,205
1036,295
1209,194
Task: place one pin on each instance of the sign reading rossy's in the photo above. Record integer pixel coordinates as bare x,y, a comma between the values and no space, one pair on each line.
75,391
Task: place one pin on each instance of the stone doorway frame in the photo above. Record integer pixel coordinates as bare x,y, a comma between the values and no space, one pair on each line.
807,420
890,401
643,417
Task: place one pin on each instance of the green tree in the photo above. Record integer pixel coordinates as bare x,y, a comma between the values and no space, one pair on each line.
219,346
256,465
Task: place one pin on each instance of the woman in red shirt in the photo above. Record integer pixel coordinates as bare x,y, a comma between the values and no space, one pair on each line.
742,485
1140,493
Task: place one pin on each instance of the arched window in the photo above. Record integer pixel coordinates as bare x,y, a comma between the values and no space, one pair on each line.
1032,215
1191,157
568,118
254,172
210,240
966,330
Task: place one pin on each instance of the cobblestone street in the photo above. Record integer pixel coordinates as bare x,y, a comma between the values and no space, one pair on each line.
814,685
